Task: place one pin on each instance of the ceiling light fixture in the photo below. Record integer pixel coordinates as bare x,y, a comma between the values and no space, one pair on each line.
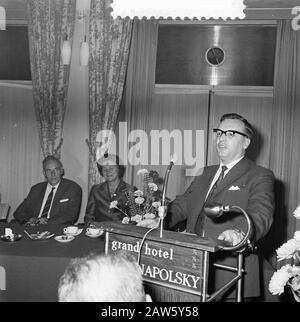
66,52
2,18
82,9
175,9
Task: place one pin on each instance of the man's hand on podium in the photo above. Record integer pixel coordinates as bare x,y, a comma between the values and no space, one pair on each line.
233,236
149,223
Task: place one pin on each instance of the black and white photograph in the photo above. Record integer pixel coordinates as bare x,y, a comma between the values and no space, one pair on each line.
149,154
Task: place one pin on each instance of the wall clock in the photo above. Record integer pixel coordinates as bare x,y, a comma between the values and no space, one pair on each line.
215,56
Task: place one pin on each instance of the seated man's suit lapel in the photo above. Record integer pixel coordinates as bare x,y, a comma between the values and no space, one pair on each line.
56,201
39,200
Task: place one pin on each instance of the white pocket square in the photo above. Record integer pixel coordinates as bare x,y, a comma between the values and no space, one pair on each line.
234,188
63,200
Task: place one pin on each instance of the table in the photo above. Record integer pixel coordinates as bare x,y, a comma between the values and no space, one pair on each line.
30,270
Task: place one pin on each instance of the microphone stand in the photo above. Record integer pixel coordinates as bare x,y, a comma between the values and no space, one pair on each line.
162,213
215,210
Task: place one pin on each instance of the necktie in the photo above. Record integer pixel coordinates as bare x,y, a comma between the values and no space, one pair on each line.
47,204
201,217
220,178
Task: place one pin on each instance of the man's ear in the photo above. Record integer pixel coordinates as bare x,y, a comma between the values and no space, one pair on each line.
246,143
148,298
62,172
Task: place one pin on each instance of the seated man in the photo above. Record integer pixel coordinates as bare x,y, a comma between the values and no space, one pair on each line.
101,278
57,200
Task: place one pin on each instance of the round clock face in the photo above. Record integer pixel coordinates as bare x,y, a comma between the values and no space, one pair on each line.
215,56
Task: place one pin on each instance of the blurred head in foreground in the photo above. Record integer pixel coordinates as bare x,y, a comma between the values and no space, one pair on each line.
102,278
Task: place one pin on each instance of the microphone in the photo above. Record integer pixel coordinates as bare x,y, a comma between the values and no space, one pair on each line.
216,210
173,159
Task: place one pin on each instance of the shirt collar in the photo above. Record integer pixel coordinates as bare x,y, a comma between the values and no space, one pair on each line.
231,164
49,186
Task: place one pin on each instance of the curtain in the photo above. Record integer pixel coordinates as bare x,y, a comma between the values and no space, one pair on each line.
50,21
20,156
109,41
139,83
285,134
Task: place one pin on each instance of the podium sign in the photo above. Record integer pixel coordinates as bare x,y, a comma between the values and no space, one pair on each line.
177,260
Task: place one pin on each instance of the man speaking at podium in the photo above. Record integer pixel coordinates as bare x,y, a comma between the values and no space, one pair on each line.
235,181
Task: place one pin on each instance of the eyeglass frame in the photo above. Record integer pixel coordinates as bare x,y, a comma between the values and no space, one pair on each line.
50,171
225,132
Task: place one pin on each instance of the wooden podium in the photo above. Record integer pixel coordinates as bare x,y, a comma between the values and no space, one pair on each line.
175,267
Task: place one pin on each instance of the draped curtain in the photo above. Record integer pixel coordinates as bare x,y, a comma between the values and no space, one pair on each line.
109,41
20,156
140,82
285,134
50,22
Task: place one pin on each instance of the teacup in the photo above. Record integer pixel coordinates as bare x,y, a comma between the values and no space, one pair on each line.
93,231
72,230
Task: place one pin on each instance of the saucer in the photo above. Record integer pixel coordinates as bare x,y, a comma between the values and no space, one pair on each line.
64,238
79,231
95,236
11,238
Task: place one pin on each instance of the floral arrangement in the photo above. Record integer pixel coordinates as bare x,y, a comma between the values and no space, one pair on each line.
144,203
288,275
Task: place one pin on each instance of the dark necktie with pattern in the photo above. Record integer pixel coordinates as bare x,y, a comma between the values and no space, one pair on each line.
47,204
200,220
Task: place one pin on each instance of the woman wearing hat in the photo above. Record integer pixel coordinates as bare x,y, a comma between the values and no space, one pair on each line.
113,189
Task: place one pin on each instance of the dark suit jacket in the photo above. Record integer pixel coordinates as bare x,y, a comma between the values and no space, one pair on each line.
255,195
97,208
65,207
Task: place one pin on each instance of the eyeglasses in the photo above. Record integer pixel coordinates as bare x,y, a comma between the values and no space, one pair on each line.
50,171
109,167
229,133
